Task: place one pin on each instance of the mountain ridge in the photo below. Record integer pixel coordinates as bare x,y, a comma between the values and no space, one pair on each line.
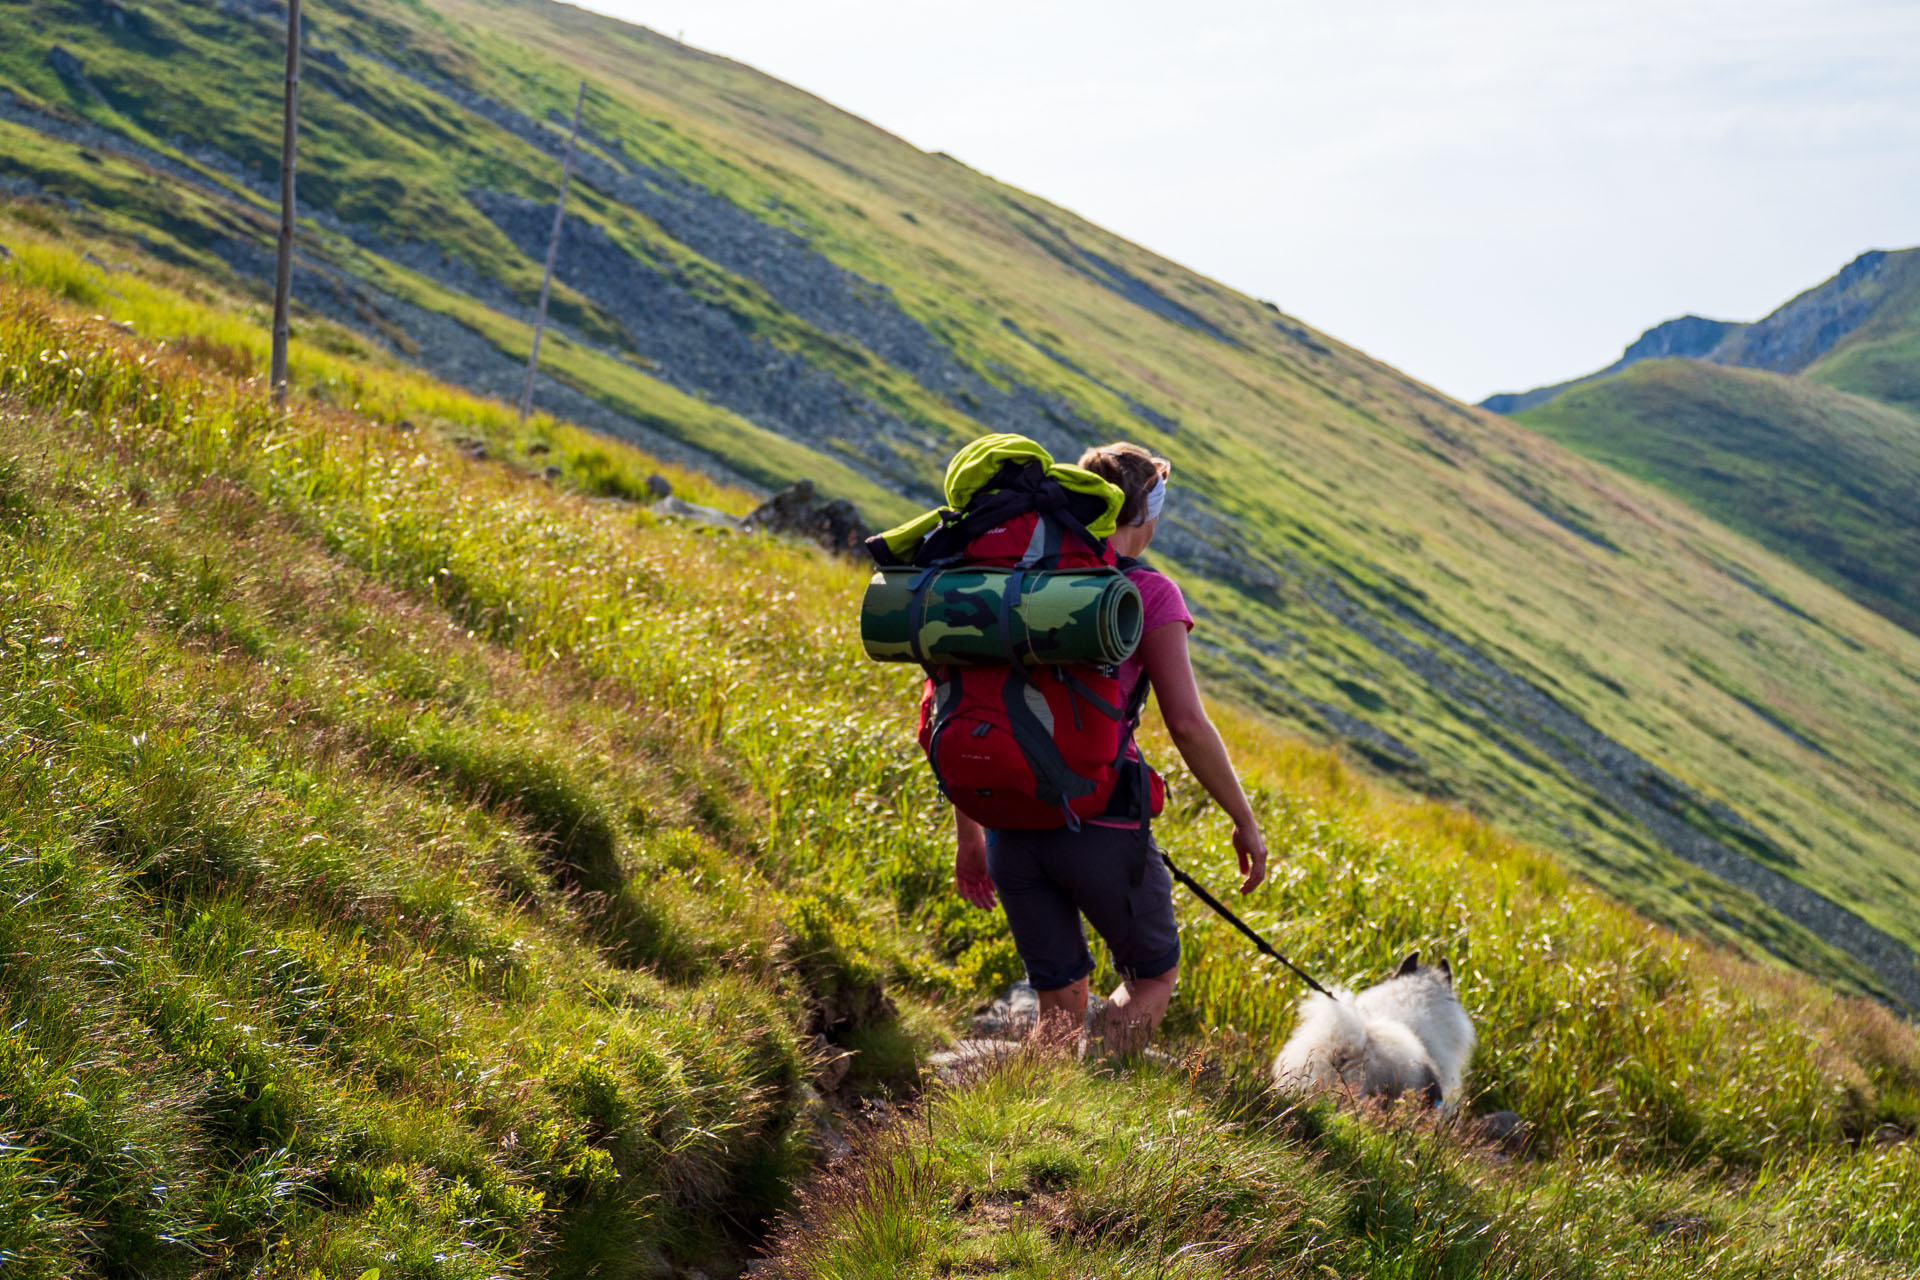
1688,335
1791,338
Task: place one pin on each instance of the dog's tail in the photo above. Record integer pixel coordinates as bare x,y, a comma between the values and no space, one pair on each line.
1327,1049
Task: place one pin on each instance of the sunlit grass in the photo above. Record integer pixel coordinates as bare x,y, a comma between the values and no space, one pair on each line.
425,865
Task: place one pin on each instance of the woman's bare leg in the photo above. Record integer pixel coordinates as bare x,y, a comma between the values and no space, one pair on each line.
1134,1011
1063,1010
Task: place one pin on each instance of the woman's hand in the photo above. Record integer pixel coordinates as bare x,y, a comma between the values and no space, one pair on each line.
1252,848
970,862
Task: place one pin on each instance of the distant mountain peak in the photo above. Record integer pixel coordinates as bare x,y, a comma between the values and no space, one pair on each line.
1787,340
1686,336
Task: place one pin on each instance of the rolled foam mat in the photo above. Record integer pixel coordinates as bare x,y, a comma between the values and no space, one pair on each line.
1058,616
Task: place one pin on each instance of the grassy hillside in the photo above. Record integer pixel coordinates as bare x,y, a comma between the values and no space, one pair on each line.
415,863
1750,432
1829,480
762,286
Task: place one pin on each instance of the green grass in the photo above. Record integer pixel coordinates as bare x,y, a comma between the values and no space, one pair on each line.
354,922
1041,1167
415,864
1829,480
1882,368
1305,462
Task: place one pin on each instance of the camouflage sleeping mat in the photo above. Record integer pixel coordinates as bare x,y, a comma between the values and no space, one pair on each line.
981,617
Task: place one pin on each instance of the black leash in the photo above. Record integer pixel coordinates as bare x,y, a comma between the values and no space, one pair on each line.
1200,892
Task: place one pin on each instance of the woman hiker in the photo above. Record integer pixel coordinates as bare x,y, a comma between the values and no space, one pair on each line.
1048,879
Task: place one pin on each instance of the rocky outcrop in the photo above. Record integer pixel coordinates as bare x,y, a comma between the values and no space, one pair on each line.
1687,336
1797,334
800,512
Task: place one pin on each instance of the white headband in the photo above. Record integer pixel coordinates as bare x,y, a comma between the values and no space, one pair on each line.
1156,499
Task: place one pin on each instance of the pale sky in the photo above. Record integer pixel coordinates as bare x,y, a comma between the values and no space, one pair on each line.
1489,194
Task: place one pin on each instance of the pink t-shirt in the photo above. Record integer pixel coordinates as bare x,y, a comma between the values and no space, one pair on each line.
1161,603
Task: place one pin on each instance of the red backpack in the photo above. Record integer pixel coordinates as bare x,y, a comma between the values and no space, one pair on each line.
1030,748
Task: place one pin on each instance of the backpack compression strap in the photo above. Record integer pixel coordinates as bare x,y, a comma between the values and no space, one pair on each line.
1017,489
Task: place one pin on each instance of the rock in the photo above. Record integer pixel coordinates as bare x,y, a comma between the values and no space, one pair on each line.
473,448
1503,1129
835,1064
841,1010
817,1119
67,67
111,13
835,525
680,509
659,486
538,448
550,473
970,1054
1011,1016
5,253
1889,1135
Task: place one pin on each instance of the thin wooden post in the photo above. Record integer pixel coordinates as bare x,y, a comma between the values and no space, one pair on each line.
553,250
283,274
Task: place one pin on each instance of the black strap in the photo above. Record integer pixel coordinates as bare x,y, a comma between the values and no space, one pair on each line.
1018,487
1055,782
1080,690
1200,892
1133,793
917,610
1137,701
1008,599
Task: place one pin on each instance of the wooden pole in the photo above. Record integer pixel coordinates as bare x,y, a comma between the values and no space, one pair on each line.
553,250
283,274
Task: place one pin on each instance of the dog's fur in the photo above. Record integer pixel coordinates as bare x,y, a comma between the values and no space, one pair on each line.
1408,1034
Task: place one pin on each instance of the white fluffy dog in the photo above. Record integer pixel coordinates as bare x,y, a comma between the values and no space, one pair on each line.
1408,1034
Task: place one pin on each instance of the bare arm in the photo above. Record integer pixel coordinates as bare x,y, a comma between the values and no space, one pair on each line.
1163,652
